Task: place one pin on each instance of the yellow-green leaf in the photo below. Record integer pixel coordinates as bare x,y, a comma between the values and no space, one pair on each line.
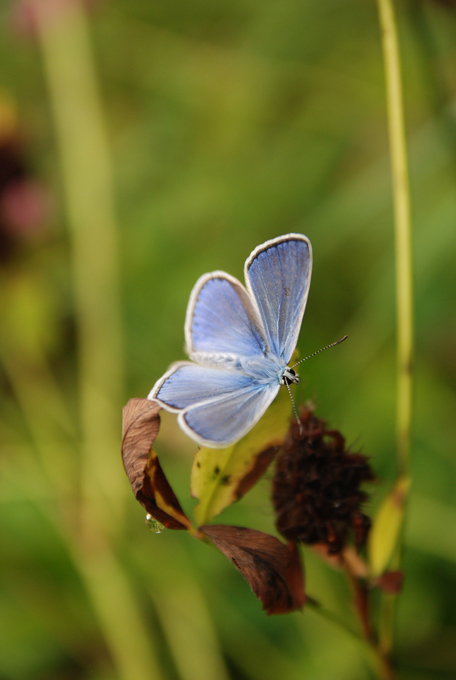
222,476
386,528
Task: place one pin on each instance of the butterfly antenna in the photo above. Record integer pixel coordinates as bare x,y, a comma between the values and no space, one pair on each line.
295,410
333,344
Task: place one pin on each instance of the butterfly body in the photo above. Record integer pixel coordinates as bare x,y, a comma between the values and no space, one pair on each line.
262,370
240,341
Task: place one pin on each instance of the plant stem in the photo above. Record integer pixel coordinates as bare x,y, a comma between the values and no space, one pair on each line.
403,230
333,617
404,282
64,40
87,184
377,660
380,659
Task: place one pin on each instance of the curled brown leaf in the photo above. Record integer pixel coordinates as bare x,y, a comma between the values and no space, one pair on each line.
272,569
140,426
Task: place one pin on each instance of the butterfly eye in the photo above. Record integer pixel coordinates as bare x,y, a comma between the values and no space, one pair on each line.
289,377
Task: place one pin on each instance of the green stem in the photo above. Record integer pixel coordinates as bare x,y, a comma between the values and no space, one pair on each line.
403,230
404,283
333,617
87,184
86,171
377,660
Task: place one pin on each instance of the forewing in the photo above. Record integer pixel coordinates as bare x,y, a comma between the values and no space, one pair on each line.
221,319
186,384
222,422
278,274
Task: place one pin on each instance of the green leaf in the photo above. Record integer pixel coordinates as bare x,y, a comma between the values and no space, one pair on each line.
222,476
387,526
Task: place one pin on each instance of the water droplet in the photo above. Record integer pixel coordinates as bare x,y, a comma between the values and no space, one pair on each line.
154,525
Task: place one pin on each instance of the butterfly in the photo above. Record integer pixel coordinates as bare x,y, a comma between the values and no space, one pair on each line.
240,341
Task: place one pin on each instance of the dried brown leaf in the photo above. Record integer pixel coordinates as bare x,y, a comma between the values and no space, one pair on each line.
391,582
272,569
141,423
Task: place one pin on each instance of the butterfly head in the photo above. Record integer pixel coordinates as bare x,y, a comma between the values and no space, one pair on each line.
289,376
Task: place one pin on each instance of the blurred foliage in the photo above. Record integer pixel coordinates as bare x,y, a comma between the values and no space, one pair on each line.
228,123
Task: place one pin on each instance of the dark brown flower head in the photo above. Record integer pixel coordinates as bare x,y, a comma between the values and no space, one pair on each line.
316,487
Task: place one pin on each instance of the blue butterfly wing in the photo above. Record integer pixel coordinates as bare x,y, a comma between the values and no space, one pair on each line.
221,319
278,274
224,322
186,384
216,407
224,421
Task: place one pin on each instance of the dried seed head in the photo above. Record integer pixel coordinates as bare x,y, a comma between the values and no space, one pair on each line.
316,487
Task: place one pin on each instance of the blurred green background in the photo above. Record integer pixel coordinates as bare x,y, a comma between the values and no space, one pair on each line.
143,143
